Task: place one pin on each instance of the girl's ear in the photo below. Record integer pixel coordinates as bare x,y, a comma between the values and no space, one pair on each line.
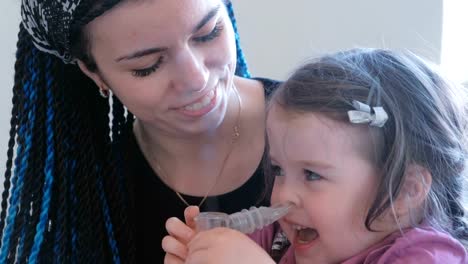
95,76
414,191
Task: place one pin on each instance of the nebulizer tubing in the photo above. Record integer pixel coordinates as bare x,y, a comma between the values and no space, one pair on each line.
245,221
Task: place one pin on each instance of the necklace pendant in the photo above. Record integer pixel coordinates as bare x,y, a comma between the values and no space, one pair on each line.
236,134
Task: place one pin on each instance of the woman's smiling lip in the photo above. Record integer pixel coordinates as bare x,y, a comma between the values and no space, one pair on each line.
192,102
201,106
199,99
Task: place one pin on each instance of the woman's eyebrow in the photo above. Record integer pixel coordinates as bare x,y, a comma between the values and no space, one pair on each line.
142,53
206,18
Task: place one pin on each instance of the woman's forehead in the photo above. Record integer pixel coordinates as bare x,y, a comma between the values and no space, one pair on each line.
136,25
153,16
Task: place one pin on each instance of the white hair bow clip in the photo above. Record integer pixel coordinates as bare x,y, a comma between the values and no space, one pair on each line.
364,115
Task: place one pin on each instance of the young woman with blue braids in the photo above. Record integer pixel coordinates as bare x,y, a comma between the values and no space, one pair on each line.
92,179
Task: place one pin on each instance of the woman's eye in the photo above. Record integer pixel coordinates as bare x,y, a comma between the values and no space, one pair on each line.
212,35
277,171
312,176
147,71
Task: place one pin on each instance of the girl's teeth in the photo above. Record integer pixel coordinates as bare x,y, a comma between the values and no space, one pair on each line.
298,227
306,235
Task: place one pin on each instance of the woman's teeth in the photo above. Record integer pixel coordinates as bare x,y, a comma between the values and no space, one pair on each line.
201,103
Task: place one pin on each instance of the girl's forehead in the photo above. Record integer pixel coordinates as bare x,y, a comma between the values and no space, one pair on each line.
309,133
304,125
295,120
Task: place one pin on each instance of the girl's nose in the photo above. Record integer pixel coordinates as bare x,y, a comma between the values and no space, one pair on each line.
191,74
285,193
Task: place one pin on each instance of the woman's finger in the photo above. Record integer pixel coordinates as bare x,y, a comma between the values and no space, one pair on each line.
178,229
174,247
172,259
190,213
204,240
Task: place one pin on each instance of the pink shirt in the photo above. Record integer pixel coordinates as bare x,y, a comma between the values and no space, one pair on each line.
418,245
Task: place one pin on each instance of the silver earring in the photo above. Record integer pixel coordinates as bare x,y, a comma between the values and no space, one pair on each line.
104,92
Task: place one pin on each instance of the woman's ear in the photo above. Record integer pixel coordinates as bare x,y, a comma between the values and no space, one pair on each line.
414,190
95,76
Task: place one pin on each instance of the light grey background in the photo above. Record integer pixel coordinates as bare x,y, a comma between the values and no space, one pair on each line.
277,38
9,26
279,34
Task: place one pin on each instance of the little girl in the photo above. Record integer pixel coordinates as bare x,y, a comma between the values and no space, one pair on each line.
370,148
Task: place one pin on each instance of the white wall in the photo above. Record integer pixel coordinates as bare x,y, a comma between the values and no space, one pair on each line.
9,26
275,39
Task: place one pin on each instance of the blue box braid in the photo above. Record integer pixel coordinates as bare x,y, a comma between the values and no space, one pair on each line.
108,223
35,234
21,162
17,105
67,200
241,68
48,171
32,193
89,161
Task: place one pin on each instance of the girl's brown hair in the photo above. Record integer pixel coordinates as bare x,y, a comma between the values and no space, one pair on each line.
426,126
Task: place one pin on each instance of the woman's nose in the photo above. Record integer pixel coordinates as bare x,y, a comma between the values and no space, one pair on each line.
191,74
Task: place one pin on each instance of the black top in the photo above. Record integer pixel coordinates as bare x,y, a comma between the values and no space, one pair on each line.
155,202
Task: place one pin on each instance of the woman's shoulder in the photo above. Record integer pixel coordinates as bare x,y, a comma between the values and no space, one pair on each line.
265,86
269,85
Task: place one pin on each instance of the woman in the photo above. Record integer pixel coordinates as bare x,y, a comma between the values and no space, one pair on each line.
191,133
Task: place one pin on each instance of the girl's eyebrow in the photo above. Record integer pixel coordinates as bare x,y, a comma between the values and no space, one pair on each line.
145,52
317,164
308,163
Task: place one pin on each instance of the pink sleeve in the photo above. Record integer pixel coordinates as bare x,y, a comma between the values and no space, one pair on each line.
422,255
264,237
427,248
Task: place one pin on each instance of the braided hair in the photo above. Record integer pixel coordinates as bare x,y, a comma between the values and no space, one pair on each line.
66,198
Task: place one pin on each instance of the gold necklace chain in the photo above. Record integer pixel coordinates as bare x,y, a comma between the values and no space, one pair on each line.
235,136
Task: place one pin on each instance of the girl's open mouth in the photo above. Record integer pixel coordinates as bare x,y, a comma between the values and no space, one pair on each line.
304,237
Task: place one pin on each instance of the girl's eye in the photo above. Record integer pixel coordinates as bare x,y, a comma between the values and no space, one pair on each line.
277,171
147,71
213,34
312,176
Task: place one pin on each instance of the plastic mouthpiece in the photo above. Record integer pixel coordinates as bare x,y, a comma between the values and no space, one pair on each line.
245,221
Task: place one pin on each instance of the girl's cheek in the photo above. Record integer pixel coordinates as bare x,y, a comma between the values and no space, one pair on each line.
274,194
280,192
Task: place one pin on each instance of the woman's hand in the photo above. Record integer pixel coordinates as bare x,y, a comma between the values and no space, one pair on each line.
223,245
180,234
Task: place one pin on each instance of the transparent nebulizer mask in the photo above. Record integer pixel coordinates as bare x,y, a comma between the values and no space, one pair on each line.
245,221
